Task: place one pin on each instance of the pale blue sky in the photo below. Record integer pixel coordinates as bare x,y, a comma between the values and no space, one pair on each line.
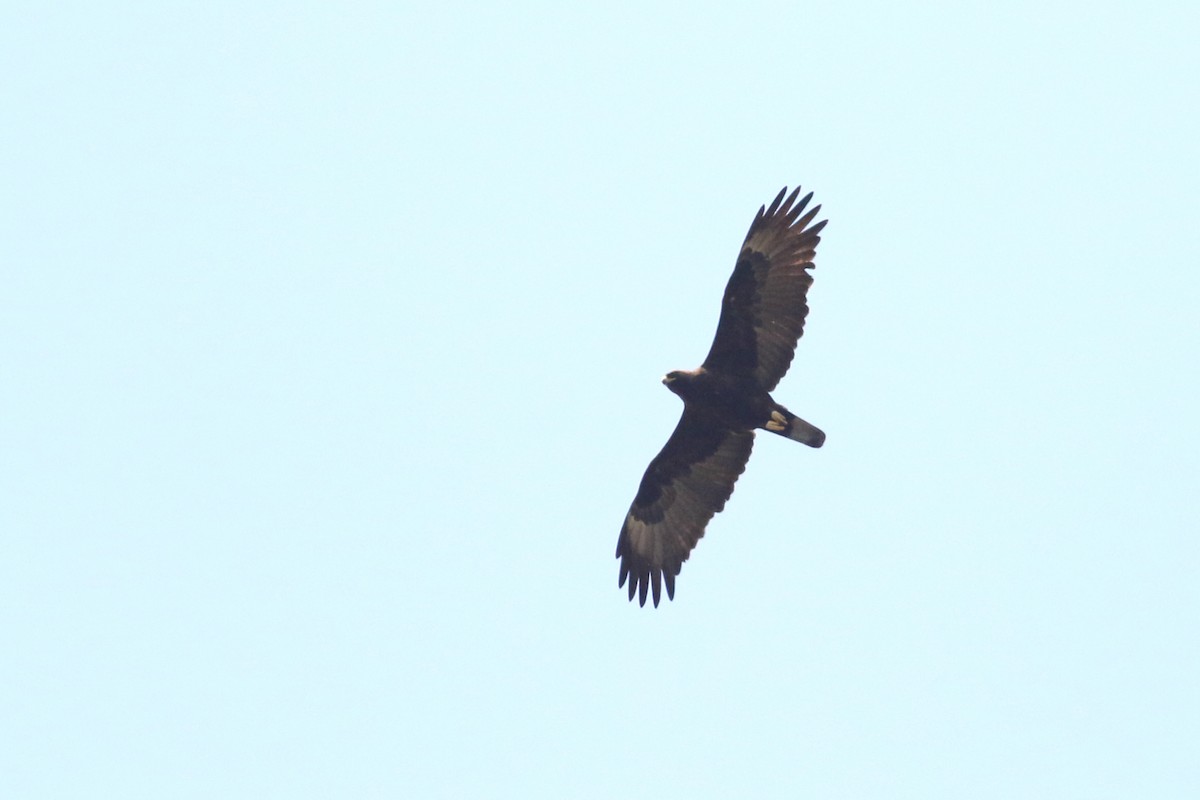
331,337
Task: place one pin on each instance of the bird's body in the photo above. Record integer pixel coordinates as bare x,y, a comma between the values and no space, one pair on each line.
738,403
726,399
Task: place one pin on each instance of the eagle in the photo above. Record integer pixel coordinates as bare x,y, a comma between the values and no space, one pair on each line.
726,399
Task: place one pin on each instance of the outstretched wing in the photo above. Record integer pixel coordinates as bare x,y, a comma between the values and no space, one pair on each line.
685,484
762,314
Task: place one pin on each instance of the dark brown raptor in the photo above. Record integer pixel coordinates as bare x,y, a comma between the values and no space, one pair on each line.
726,399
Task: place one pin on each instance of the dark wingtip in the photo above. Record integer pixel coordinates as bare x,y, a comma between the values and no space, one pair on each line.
645,583
775,203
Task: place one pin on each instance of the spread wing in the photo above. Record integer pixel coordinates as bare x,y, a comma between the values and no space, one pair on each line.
685,484
762,314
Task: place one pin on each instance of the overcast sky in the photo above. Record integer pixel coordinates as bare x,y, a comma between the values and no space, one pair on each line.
331,338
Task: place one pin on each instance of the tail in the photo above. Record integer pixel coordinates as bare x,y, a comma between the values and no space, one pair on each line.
787,424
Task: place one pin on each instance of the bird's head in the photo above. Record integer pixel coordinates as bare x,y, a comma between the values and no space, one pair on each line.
676,380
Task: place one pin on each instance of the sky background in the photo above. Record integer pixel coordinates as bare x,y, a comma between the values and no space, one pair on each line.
331,338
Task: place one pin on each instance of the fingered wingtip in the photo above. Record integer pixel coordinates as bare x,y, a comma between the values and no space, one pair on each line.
645,584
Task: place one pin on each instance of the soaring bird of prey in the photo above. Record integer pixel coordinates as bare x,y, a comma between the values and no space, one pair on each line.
726,399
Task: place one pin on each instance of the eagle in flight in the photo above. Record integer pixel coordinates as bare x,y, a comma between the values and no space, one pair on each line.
726,399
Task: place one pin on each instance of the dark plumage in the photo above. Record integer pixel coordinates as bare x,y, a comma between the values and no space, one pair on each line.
726,399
